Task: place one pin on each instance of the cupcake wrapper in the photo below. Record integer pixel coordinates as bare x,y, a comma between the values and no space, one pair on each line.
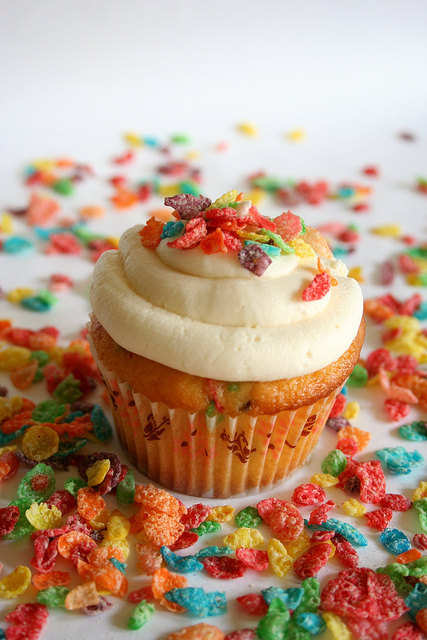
215,456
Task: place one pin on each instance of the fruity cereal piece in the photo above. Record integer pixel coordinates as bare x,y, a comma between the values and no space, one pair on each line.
84,595
372,481
201,631
280,560
362,438
198,602
26,621
310,562
42,581
151,233
244,537
164,581
253,603
16,583
90,503
308,494
253,558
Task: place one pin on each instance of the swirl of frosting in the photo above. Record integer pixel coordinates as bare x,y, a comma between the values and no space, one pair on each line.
208,316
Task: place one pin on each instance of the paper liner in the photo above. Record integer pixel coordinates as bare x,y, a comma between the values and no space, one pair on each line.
217,456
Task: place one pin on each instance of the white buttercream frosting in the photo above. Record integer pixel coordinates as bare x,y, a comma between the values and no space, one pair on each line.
207,315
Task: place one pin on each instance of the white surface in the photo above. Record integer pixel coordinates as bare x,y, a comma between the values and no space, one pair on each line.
75,75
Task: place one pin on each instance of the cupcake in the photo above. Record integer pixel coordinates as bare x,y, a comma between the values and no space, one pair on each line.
223,338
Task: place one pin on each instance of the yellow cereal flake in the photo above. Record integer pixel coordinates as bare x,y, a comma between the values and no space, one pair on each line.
337,626
256,196
248,129
298,546
390,230
40,442
13,357
357,274
221,513
133,139
118,527
168,190
225,199
280,560
244,537
84,595
302,249
296,135
407,323
15,583
122,545
324,480
192,155
248,235
56,354
101,520
353,507
7,449
97,472
6,409
18,294
42,516
351,410
420,491
17,403
44,164
6,223
362,437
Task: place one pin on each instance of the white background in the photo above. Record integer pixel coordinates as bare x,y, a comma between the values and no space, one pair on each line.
75,75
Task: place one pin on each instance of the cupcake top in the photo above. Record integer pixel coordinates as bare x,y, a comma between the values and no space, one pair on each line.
223,292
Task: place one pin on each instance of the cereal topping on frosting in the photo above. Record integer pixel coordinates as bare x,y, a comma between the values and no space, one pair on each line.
229,224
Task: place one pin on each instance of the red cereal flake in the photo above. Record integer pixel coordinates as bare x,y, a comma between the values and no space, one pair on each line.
396,409
371,170
288,225
12,462
318,287
231,242
26,621
241,634
307,494
194,232
320,513
345,551
261,221
186,540
348,446
406,364
395,502
196,514
407,264
367,629
338,406
312,560
224,567
254,604
64,242
372,481
408,631
45,553
420,541
377,310
19,337
321,536
144,593
9,516
253,558
387,273
151,234
283,517
380,359
410,305
379,519
363,593
16,422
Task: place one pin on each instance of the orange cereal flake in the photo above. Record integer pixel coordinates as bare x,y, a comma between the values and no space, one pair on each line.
151,233
90,503
362,438
42,581
163,581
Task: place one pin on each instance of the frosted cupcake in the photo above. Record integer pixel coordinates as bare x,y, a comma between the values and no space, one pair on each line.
223,338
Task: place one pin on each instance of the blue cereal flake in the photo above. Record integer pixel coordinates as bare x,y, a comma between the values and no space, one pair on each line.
311,622
421,312
398,460
395,541
347,530
101,427
198,602
208,552
5,438
17,244
417,599
290,597
172,228
36,303
269,249
121,566
415,431
183,564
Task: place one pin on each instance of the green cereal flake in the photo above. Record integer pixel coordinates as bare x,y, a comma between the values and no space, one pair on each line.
208,526
359,376
233,386
68,390
310,601
140,615
101,427
64,187
274,625
211,410
53,597
421,506
34,488
48,410
72,485
334,463
248,517
69,447
126,489
22,527
417,568
42,357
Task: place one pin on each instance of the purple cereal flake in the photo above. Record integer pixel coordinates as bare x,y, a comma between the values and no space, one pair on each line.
254,258
3,391
112,477
387,273
337,423
95,609
187,205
